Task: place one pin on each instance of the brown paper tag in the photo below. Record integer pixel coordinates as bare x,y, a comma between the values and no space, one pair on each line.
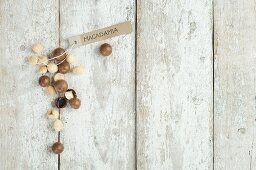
101,34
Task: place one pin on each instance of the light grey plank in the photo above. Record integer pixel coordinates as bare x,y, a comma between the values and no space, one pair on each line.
175,85
25,132
101,134
235,61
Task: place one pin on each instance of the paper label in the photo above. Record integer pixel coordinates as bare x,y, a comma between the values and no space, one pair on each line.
101,34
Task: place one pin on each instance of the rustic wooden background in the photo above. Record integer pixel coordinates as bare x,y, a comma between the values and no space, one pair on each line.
176,94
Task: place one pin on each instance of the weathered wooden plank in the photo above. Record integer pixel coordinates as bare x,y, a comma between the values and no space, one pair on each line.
25,132
174,82
100,135
235,61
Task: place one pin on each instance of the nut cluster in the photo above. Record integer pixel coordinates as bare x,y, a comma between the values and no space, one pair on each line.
53,69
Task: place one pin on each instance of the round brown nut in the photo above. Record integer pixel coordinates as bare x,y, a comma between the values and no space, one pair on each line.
57,148
61,86
105,49
61,102
75,103
59,52
44,81
64,67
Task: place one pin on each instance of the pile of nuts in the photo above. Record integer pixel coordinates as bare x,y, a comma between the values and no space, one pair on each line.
53,69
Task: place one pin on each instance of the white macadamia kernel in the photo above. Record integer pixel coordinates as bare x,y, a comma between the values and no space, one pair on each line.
58,125
59,76
33,60
50,90
43,70
78,70
69,95
53,114
52,68
70,59
37,48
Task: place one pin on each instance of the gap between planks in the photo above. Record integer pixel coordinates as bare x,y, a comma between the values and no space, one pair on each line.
59,94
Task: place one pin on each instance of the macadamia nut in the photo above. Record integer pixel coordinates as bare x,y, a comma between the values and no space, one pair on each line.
42,70
33,60
58,125
53,114
78,70
42,60
37,48
52,68
70,58
50,90
59,76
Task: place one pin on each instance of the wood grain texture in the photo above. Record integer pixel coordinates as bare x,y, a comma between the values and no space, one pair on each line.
26,134
101,134
174,86
235,61
174,81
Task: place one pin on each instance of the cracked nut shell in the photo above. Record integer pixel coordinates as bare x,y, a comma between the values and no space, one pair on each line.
70,93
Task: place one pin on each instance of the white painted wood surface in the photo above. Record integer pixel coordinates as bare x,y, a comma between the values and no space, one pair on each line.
174,119
235,61
101,134
174,83
25,133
